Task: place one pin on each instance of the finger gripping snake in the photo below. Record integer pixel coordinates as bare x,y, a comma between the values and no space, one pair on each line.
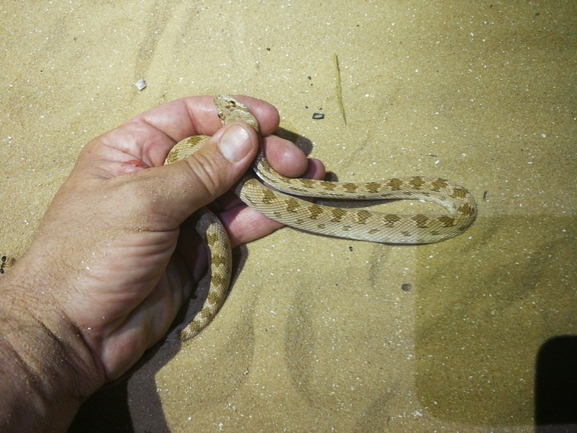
282,205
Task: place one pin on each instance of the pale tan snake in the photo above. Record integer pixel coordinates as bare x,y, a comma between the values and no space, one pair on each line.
360,224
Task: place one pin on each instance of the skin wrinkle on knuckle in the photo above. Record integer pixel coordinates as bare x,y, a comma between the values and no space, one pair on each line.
205,173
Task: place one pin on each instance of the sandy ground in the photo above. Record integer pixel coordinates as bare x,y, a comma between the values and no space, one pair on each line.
317,334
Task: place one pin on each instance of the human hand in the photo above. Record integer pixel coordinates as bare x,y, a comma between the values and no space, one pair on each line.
98,278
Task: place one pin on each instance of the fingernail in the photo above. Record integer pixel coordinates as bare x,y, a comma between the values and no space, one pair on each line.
235,143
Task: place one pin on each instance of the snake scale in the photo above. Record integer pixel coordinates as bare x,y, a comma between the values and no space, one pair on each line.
359,224
281,205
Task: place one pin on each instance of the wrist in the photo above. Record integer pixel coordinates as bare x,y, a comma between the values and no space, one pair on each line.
46,368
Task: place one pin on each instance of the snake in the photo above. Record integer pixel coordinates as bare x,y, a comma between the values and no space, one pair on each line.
280,201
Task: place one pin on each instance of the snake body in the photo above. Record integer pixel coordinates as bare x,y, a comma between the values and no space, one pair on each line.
282,205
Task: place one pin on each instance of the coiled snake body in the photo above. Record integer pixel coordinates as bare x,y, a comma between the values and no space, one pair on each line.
360,224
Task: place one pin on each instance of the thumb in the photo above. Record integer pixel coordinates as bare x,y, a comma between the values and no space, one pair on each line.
208,172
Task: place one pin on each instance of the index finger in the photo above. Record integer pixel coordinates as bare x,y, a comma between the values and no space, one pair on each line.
148,137
197,115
